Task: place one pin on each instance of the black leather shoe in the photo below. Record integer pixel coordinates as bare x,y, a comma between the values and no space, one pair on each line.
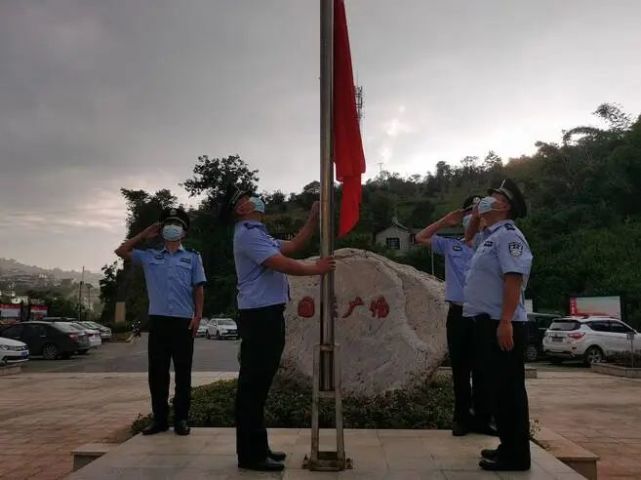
155,427
181,427
277,456
490,453
500,465
266,465
459,429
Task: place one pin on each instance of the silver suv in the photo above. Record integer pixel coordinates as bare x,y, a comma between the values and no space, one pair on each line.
591,338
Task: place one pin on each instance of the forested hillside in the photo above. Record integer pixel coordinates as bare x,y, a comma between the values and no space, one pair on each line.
584,225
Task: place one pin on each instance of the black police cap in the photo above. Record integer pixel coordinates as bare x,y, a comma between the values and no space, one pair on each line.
175,213
512,192
470,201
232,195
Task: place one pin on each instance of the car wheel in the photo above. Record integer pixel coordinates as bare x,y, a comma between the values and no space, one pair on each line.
208,336
218,337
531,353
50,351
4,362
556,361
83,352
594,355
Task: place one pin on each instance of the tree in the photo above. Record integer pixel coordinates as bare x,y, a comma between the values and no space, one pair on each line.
212,176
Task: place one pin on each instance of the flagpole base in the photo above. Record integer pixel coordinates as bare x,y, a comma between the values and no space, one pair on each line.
327,462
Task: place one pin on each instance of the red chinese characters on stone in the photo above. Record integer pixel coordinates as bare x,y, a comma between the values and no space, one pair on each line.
358,301
379,307
306,307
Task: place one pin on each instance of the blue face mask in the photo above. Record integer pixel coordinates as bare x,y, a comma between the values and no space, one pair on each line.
466,221
486,205
259,205
172,233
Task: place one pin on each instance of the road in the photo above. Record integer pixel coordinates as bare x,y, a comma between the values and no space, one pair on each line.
209,356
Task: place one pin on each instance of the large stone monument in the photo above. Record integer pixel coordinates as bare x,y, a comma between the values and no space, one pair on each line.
390,323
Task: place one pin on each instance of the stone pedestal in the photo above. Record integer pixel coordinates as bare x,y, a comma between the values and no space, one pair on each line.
390,323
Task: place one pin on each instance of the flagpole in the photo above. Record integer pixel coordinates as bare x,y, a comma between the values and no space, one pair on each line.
327,190
326,379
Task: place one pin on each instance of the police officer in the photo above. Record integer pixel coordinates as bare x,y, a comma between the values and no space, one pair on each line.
263,290
460,331
493,295
175,285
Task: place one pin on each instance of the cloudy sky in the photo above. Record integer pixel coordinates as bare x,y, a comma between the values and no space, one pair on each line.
101,94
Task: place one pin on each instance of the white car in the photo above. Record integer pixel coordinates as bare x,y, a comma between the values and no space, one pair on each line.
105,332
95,340
202,329
13,351
591,338
220,328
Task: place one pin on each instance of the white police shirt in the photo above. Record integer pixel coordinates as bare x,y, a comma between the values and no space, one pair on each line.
501,249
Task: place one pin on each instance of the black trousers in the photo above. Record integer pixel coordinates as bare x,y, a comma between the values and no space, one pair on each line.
506,372
170,338
262,331
462,351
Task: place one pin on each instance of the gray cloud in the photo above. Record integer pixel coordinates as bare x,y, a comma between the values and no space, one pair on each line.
98,95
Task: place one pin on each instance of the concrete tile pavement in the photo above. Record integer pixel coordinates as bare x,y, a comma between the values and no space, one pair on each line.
599,412
376,454
43,417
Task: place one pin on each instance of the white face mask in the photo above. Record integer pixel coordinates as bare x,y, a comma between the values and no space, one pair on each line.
486,205
172,233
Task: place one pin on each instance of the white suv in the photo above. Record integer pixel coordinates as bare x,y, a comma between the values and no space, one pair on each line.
591,338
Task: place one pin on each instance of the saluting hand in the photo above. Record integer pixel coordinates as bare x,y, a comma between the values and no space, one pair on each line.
325,264
152,231
505,336
454,218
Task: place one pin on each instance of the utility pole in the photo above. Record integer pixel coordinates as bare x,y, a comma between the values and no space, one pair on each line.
82,281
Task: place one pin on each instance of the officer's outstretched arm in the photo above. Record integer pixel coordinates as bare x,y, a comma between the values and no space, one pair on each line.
283,264
304,235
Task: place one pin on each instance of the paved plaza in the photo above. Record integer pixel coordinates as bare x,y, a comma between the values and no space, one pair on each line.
209,453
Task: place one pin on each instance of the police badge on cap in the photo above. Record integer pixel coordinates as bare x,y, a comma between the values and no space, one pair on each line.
175,213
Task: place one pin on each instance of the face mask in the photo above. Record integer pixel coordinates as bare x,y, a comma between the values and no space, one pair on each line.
485,205
466,221
259,205
172,233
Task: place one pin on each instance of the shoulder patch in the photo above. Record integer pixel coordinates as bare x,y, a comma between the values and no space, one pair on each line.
185,260
515,248
488,243
191,250
249,226
457,248
159,256
509,226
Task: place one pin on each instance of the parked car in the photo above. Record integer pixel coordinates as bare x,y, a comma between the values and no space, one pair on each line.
591,339
202,329
220,328
92,334
13,351
537,325
105,332
50,339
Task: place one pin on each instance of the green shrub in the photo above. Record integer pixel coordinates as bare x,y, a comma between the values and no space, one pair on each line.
289,405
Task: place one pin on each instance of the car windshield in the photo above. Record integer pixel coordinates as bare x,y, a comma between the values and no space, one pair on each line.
226,322
67,327
565,325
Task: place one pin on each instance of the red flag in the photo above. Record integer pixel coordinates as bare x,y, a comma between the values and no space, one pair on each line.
348,145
